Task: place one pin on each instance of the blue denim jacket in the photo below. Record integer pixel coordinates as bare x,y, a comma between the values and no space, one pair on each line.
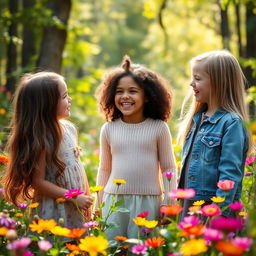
217,153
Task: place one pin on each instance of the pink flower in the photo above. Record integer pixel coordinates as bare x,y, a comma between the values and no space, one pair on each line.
168,175
226,184
182,193
227,224
19,244
143,214
189,222
139,249
243,242
44,245
73,193
250,160
212,234
211,210
236,206
22,206
91,224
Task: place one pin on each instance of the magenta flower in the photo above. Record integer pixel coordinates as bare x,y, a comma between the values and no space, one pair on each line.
22,206
168,175
189,222
6,222
91,224
73,193
227,224
27,253
1,191
182,193
243,242
248,174
44,245
139,249
236,206
250,160
19,244
143,214
226,184
212,234
211,210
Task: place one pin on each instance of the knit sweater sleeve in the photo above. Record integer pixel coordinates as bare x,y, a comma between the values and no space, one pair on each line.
104,169
167,161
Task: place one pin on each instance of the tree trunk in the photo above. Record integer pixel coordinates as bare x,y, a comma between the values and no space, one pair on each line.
54,38
28,47
224,27
238,29
11,64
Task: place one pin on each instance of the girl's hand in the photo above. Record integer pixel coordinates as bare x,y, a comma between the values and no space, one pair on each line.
84,202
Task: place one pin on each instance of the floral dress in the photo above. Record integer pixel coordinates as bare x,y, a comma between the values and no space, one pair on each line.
74,177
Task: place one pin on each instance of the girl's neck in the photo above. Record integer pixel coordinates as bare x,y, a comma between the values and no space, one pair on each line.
134,120
211,110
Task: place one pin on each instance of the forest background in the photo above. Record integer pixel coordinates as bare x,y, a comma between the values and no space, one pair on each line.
82,39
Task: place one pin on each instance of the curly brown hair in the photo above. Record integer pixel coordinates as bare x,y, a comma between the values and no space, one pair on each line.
157,91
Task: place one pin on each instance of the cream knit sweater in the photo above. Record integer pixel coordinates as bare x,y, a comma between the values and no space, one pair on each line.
139,154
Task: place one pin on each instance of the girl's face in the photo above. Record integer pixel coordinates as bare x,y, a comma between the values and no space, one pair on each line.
201,84
63,109
130,100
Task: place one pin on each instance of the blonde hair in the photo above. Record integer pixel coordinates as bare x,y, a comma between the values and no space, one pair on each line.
227,87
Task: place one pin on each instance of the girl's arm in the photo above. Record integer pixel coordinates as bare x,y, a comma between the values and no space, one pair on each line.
46,188
234,144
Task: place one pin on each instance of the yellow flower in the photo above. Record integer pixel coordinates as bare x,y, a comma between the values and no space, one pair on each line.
94,245
198,203
151,223
139,221
119,181
60,231
3,231
34,205
243,214
195,208
96,188
2,111
194,247
42,225
19,214
218,199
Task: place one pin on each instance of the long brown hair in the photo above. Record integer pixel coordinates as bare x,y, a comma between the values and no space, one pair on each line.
34,129
227,87
156,89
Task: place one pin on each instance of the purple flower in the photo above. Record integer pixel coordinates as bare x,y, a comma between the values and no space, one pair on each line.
139,249
146,231
243,242
1,191
91,224
212,234
227,224
6,222
44,245
22,206
236,206
19,244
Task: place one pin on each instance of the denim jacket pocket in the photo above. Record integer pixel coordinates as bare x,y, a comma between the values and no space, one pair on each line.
211,147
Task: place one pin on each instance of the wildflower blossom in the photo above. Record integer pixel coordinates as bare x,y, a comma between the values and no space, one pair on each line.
154,241
76,232
182,193
73,193
6,222
168,175
94,245
44,245
243,242
91,224
213,234
211,210
236,206
60,200
4,159
139,221
96,189
193,231
146,231
188,222
193,247
143,214
171,209
151,223
226,184
3,231
61,231
218,199
199,203
34,205
120,238
72,247
229,248
22,206
119,181
19,244
250,160
227,224
42,225
139,249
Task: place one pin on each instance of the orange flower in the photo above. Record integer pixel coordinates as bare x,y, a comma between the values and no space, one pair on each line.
76,232
154,241
120,238
229,249
195,231
72,247
4,159
60,200
34,205
171,209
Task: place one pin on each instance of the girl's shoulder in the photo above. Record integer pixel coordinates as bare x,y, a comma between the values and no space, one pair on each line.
70,127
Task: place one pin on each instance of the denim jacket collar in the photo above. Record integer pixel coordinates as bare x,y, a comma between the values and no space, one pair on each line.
212,119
